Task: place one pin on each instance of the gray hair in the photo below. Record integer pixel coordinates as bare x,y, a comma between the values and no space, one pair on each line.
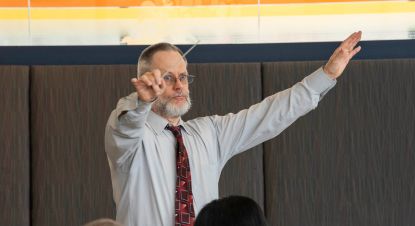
145,59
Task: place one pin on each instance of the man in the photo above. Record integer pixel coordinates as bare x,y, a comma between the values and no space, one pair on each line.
145,136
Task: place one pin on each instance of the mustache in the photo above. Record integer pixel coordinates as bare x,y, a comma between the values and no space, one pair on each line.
179,95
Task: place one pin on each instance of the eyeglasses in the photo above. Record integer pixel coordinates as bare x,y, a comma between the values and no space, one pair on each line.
171,80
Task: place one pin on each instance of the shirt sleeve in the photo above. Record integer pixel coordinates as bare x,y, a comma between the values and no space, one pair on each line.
265,120
125,129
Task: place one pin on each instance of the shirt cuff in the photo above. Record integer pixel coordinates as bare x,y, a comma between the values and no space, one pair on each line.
319,81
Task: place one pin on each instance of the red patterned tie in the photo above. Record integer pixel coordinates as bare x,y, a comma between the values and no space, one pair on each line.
185,215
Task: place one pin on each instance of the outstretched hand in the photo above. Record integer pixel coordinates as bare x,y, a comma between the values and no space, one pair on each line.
342,55
149,86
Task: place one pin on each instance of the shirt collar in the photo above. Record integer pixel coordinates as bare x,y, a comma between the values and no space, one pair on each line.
159,123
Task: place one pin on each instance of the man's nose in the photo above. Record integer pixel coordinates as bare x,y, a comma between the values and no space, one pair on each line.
178,84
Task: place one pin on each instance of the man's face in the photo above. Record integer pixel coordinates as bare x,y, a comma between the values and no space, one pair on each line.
175,101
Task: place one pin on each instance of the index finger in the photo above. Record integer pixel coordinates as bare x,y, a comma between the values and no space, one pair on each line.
156,72
157,76
352,40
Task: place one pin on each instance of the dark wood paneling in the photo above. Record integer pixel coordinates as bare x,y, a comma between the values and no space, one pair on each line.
70,106
14,146
350,161
221,89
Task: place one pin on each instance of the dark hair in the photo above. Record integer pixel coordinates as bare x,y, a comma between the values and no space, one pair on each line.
144,61
231,211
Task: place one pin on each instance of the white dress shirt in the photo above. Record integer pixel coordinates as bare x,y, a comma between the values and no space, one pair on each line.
141,152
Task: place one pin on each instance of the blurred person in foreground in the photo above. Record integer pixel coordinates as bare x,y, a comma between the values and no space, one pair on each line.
231,211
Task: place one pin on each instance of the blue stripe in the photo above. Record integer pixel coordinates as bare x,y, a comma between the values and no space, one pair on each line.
84,55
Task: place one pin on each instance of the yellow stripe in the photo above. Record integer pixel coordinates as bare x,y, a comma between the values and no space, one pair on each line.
141,13
13,13
338,8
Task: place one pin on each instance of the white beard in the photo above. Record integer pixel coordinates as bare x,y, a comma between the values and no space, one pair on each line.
165,108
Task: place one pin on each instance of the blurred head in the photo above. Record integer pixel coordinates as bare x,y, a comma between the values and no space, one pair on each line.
231,211
103,222
175,101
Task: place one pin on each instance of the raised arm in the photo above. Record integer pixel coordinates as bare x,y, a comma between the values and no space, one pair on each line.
265,120
126,124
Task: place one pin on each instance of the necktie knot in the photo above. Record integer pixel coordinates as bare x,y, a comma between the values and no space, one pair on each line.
174,129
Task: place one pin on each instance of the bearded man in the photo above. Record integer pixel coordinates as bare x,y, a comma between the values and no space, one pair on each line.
164,170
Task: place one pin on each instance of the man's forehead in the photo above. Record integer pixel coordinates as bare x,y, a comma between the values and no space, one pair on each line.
166,55
169,61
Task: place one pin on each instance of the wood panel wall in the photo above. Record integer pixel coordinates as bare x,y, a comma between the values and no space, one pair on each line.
70,106
14,146
348,162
